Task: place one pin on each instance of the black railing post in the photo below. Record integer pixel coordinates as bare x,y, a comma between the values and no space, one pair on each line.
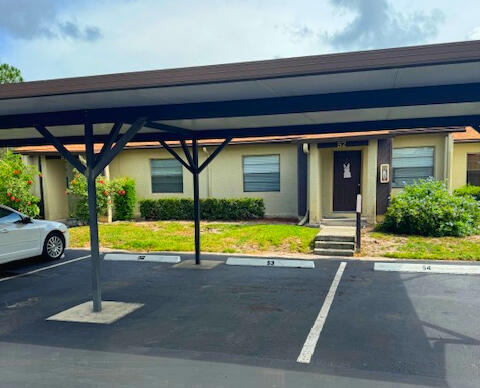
196,200
358,238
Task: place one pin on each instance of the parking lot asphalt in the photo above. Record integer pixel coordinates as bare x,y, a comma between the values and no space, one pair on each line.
238,326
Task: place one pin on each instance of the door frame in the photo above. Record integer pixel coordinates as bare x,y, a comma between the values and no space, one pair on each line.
333,177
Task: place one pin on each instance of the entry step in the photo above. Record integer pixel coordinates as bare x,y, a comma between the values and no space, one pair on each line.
342,221
335,238
335,245
336,233
333,252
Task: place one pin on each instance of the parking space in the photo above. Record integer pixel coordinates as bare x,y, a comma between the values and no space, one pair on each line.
381,327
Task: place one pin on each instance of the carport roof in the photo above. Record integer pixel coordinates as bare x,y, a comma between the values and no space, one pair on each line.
423,86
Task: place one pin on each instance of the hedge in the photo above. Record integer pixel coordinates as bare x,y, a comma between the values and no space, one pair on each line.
210,209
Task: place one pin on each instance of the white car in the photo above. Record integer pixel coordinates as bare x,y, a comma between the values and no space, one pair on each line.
22,237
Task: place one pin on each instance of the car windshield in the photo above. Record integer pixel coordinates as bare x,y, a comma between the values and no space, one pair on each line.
7,216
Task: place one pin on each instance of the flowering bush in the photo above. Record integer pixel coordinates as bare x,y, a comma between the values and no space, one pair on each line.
427,208
120,193
78,188
125,198
16,180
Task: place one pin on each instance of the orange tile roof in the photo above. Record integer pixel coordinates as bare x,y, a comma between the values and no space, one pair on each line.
469,135
80,148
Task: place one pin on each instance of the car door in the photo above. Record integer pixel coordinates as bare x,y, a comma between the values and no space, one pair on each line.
7,245
18,240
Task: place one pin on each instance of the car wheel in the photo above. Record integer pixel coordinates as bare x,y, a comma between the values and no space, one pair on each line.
54,246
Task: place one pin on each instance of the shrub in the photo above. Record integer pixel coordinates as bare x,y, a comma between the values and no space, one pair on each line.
124,199
16,180
78,188
427,208
474,191
210,209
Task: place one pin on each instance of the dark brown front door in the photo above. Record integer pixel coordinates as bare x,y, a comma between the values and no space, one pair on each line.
347,167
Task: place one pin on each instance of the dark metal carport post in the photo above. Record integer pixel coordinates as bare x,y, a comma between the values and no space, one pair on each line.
95,165
93,218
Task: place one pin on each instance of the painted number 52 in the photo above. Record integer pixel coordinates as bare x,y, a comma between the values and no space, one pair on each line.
270,262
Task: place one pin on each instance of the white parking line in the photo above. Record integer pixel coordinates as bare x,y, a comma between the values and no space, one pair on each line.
44,268
312,339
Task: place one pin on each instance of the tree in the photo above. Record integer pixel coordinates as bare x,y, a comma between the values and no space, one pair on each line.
9,74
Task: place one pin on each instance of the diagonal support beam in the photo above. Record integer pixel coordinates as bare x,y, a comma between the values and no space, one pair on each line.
61,148
187,153
124,139
214,154
112,137
170,128
176,156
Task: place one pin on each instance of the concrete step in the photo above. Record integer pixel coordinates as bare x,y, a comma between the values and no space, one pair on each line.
334,238
334,245
333,252
341,221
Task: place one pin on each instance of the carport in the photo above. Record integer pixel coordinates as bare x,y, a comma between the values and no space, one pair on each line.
414,87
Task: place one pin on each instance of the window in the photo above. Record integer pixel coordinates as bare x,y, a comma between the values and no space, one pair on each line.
473,169
261,173
411,164
167,176
7,216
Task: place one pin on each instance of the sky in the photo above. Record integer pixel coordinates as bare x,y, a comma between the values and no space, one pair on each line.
49,39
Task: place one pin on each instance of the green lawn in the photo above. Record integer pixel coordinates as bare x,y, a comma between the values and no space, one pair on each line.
255,238
216,237
416,247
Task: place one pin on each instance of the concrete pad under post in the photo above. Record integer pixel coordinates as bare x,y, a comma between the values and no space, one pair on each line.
84,313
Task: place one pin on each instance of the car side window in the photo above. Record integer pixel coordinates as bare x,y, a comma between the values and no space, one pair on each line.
7,216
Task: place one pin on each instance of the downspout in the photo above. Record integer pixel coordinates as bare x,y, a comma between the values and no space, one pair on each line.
303,221
448,161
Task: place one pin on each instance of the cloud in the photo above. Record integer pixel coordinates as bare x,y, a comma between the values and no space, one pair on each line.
107,36
28,20
474,34
376,24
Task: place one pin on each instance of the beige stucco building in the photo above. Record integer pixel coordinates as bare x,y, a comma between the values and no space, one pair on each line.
318,174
